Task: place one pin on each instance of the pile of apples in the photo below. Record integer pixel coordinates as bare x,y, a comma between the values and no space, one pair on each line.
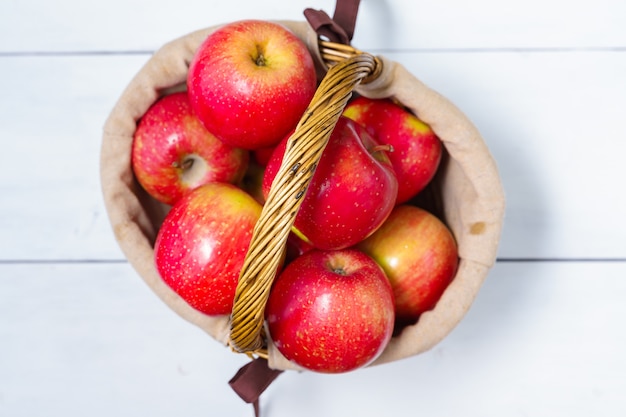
361,261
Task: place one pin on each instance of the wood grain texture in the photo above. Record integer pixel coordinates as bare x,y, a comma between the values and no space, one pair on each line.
543,338
130,25
81,334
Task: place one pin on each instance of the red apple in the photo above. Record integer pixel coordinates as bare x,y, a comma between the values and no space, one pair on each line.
250,82
419,255
174,153
331,311
202,243
263,155
351,193
417,150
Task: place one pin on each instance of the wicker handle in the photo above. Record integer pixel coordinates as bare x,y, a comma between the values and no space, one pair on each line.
348,68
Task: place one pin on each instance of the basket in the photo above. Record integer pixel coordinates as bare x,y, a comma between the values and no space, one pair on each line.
467,189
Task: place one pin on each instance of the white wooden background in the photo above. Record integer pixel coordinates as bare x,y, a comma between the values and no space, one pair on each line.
544,81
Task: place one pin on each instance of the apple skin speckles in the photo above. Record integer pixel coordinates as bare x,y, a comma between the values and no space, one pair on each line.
351,193
417,151
202,243
250,81
331,311
173,153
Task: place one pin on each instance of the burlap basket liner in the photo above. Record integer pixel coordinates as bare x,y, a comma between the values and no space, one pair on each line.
469,187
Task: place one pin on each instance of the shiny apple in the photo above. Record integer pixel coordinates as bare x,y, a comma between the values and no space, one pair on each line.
331,311
352,191
250,82
173,152
416,148
202,243
419,255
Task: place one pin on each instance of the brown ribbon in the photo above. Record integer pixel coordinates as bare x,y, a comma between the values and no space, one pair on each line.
340,28
254,378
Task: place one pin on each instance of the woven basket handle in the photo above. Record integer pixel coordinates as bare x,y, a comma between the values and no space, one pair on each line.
348,68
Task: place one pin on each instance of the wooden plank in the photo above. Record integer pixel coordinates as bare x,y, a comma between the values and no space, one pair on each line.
542,338
552,121
543,81
52,204
122,25
92,339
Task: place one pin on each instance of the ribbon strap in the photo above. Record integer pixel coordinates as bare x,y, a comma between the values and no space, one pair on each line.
340,28
251,380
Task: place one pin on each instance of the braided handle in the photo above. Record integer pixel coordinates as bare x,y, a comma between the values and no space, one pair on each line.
348,68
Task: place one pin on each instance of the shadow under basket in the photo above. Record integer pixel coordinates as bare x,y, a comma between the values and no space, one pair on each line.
466,192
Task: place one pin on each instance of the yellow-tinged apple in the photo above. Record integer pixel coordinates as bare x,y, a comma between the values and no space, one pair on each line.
419,255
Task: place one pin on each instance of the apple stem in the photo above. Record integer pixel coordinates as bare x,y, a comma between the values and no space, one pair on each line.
186,164
380,148
259,60
339,271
